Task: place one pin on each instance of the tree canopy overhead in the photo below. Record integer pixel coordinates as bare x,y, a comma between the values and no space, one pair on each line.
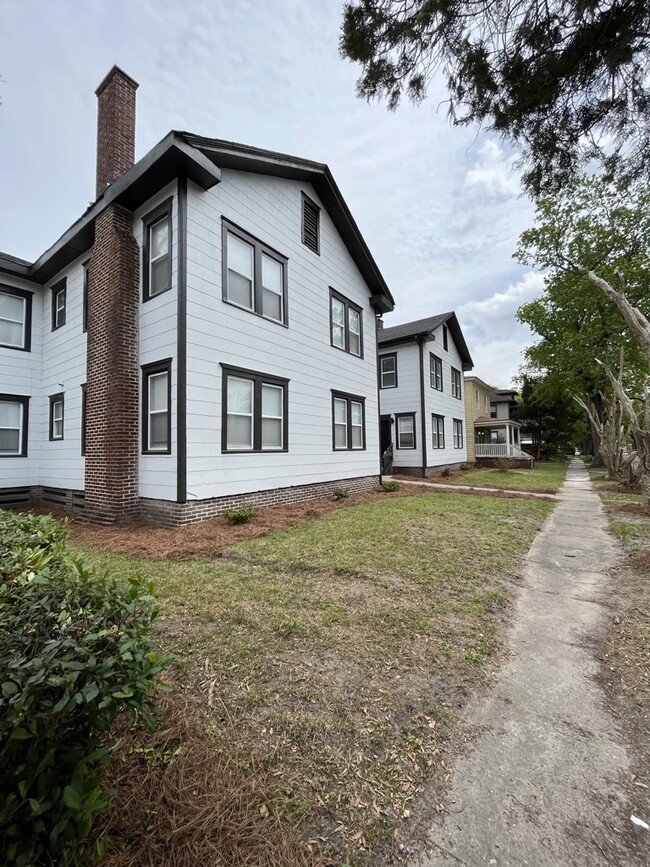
568,80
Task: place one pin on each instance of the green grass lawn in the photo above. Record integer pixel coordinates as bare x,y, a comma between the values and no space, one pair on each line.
340,651
545,478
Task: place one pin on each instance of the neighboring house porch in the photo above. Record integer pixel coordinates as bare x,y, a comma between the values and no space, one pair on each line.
498,438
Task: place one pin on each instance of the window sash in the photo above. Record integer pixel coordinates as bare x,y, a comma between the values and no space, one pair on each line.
435,369
258,423
275,420
254,276
158,264
56,418
455,383
6,318
437,432
458,434
58,307
158,413
346,325
348,423
388,371
8,427
405,432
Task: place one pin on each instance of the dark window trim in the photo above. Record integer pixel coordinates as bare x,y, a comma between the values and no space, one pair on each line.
163,211
441,418
57,398
445,338
348,304
312,203
24,399
398,416
459,380
258,380
381,358
83,419
28,297
163,366
259,247
84,303
342,395
61,286
432,358
458,421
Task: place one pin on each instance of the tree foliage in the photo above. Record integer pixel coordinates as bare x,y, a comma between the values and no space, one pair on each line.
547,413
591,225
567,80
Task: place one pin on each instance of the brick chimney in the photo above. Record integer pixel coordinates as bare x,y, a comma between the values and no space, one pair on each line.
115,127
112,367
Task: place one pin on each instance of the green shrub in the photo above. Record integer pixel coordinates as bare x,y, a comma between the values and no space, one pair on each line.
465,467
503,465
241,515
389,487
75,653
340,493
446,472
588,459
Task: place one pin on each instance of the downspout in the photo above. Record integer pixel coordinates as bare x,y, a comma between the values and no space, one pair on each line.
424,421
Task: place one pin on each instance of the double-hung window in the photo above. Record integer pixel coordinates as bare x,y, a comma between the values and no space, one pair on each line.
405,430
13,425
348,421
58,304
435,371
157,251
438,432
345,324
254,276
456,390
15,318
388,370
56,416
156,408
458,434
255,412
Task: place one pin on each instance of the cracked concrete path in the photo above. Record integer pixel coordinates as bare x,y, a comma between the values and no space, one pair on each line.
541,783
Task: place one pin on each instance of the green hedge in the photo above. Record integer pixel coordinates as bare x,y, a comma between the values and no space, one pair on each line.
75,652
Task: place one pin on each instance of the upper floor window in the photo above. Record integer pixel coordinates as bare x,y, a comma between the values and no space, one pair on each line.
255,411
438,431
456,390
435,371
458,434
493,410
486,402
58,304
310,224
348,421
157,251
254,276
15,318
405,430
13,425
388,370
445,338
476,395
56,416
345,324
156,408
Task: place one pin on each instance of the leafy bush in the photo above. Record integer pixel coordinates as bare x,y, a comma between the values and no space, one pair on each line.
241,515
340,493
75,652
588,459
389,487
446,472
502,465
465,467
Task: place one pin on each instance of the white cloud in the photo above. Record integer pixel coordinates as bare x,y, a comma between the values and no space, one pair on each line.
494,172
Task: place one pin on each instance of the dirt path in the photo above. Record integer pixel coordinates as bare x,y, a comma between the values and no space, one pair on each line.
542,783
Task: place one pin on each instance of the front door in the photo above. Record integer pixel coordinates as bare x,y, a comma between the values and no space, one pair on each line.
386,437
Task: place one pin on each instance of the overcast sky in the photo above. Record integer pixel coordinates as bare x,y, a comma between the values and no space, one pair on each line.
440,207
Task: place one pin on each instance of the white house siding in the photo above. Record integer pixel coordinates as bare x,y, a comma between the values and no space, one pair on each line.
20,374
158,341
443,403
63,371
405,398
218,333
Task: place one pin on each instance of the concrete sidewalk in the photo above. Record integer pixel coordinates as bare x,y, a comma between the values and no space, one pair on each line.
540,785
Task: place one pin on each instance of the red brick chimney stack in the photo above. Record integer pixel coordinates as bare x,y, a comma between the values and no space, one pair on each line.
115,127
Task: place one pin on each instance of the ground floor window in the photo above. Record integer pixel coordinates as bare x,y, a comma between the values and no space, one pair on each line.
438,431
13,425
405,430
156,408
56,416
255,411
348,421
458,434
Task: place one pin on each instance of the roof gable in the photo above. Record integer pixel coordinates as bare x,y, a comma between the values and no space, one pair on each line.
423,328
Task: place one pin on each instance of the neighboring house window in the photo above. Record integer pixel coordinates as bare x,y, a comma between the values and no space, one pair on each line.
56,416
493,410
445,338
15,318
348,421
345,324
157,251
83,419
254,276
476,395
58,304
388,371
405,431
485,402
458,434
84,309
435,370
156,408
255,412
14,411
438,431
310,224
455,383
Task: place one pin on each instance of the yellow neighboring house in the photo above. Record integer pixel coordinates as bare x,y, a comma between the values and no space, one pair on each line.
477,405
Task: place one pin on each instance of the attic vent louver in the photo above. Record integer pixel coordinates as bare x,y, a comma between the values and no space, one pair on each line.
310,224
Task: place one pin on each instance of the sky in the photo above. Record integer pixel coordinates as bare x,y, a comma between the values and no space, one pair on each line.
440,207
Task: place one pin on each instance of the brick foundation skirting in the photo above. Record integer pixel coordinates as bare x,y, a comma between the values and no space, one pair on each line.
164,513
430,471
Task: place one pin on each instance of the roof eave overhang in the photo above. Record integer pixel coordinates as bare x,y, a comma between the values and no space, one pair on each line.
393,341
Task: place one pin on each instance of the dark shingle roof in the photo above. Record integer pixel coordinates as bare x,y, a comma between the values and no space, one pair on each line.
424,327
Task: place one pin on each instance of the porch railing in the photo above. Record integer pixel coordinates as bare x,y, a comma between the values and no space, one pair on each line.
499,450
